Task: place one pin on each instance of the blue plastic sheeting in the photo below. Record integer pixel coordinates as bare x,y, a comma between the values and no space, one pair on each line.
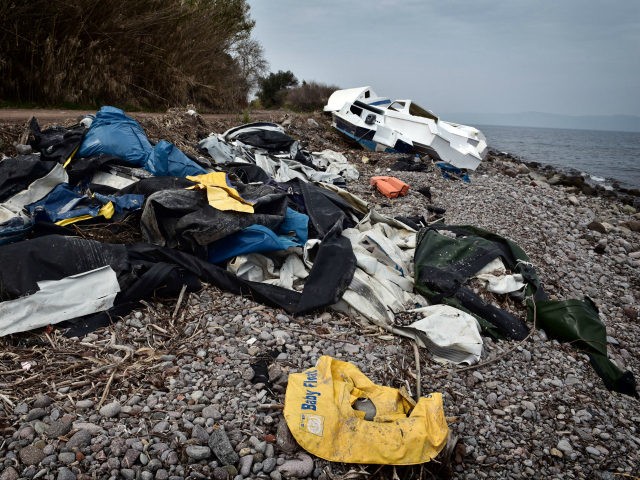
114,133
449,172
65,202
296,226
14,230
293,232
167,160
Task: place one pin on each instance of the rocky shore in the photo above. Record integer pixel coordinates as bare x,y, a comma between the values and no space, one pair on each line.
169,392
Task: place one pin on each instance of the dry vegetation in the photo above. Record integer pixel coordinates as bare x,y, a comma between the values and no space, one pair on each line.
142,54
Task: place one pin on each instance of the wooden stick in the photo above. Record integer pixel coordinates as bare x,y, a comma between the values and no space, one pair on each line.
416,353
175,311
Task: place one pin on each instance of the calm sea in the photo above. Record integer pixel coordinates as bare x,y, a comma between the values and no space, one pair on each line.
604,155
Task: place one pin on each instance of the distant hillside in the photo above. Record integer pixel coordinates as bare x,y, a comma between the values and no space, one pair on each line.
622,123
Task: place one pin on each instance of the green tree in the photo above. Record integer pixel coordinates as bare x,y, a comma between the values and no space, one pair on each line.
273,88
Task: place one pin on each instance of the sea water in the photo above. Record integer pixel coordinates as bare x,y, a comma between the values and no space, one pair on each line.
603,155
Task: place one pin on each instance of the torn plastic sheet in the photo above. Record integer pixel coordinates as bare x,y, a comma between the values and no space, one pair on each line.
444,262
285,169
65,205
259,268
114,133
17,173
14,229
220,193
218,149
36,191
335,162
265,135
292,232
383,282
448,333
60,300
496,279
168,160
502,284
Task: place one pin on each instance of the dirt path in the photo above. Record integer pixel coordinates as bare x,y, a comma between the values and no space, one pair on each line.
19,116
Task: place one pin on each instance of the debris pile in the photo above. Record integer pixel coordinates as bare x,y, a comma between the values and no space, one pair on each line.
98,219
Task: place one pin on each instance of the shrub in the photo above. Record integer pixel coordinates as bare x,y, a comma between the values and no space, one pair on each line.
309,96
144,53
273,88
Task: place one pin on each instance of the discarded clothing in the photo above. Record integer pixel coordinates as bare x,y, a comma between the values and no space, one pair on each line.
319,410
390,187
59,300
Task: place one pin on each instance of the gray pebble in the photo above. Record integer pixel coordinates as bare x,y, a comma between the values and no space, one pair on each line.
198,452
111,410
245,465
268,465
9,473
31,455
35,413
65,474
128,473
67,457
221,447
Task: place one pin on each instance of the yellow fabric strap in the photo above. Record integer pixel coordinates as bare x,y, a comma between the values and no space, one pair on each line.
219,194
68,160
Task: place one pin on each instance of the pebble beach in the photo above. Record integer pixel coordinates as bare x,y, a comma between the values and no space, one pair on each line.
168,392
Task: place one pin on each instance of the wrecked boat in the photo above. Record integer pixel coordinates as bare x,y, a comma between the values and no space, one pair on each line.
380,124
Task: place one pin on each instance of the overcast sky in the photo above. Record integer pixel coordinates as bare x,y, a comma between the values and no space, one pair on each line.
575,57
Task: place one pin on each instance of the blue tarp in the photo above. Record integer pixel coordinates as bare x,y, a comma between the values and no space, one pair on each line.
167,160
449,172
114,133
292,232
66,202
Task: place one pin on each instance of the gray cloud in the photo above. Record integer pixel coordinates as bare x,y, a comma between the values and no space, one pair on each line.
569,56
